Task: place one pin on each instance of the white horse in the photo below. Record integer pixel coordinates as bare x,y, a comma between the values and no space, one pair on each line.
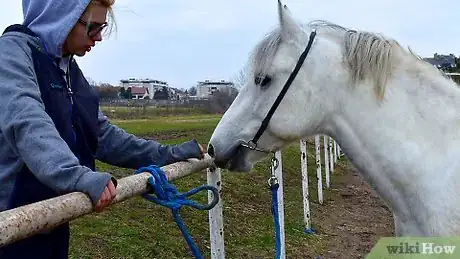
396,117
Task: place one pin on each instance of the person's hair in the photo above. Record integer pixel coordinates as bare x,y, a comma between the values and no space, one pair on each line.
111,17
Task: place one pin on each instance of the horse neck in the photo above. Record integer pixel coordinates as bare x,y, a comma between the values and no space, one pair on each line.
405,141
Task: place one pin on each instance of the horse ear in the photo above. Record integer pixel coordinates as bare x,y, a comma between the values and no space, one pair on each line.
289,27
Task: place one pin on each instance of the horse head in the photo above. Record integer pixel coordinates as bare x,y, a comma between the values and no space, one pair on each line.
299,110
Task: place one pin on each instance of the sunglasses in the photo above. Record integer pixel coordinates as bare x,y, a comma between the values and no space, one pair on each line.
93,28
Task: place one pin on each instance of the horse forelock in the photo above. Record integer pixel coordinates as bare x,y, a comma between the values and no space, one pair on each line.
264,53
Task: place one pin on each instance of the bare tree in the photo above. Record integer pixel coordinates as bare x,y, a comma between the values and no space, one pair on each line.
192,91
221,100
91,81
240,78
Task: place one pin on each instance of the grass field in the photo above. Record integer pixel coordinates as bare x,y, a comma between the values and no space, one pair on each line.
137,228
146,112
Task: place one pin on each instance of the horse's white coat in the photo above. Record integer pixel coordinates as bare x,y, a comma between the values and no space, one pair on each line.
395,117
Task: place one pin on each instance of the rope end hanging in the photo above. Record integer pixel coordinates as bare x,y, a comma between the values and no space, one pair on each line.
310,231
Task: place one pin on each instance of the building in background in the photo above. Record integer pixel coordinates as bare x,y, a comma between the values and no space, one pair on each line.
151,85
139,93
443,62
206,88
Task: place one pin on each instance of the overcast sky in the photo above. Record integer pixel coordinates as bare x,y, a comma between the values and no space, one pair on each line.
185,41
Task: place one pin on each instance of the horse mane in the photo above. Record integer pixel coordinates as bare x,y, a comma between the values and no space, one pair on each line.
367,55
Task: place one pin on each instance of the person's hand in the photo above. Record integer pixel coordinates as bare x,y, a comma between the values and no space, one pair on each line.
107,197
202,151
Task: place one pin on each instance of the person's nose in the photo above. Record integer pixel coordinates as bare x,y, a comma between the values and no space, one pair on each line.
98,37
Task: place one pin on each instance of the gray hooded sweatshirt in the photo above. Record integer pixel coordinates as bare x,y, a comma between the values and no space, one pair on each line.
28,136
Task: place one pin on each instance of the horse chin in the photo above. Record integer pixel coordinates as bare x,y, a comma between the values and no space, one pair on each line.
236,162
239,162
240,166
239,159
244,160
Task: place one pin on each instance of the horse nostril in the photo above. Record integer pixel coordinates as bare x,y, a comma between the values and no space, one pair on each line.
211,150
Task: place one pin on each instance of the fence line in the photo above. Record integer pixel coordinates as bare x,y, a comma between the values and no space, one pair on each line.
22,222
331,158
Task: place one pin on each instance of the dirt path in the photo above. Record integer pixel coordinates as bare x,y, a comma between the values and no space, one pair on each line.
352,218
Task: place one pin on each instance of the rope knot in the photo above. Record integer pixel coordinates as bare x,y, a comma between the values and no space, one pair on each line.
167,195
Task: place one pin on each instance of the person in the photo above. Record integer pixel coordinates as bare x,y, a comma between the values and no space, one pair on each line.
51,128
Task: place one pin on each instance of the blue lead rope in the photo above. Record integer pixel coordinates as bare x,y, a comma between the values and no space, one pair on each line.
274,188
166,194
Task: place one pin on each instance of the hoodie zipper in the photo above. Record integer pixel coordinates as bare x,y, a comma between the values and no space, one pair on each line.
69,88
67,74
70,93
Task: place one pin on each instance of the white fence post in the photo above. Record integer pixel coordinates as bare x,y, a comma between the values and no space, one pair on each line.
216,218
326,161
331,155
335,152
306,197
318,169
279,176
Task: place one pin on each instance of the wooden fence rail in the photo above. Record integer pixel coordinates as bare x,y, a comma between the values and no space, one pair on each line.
22,222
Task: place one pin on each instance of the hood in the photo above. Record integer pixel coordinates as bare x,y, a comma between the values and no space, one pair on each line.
52,20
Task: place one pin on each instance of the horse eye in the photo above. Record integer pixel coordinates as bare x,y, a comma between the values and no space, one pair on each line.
262,80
